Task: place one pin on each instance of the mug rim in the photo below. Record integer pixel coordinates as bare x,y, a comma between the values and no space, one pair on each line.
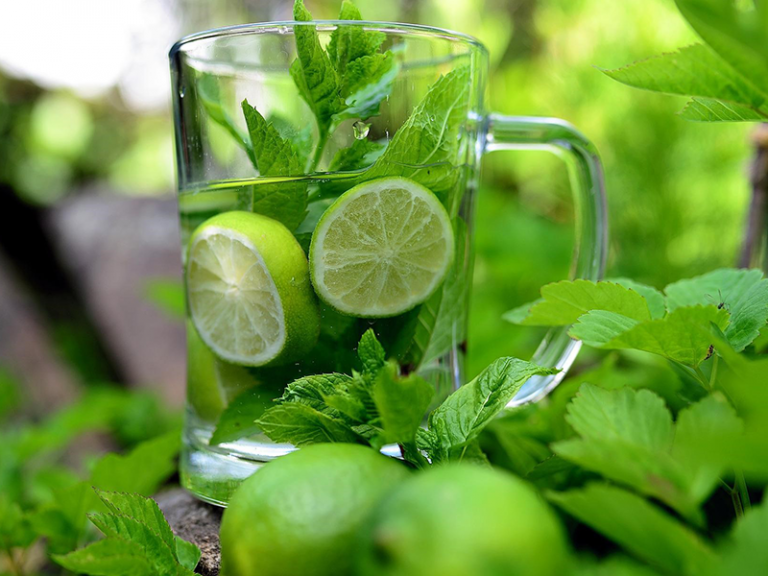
326,25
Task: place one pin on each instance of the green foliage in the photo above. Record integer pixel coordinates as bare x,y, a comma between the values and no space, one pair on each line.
727,77
138,541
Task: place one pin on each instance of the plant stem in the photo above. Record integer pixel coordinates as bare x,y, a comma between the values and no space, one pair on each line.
702,378
713,373
741,488
753,247
319,151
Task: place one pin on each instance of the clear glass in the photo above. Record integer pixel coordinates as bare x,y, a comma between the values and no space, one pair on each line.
216,175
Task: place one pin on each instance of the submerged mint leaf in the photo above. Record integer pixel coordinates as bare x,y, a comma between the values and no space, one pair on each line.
360,155
469,409
238,418
440,323
562,303
743,293
300,424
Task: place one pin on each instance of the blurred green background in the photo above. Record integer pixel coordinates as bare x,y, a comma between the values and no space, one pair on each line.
86,171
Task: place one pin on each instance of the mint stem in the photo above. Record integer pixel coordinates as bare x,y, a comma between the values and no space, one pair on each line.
318,151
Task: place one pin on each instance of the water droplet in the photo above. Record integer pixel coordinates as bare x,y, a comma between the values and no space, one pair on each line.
360,129
432,118
181,92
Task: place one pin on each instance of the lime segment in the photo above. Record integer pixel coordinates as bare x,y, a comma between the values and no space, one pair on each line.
248,290
381,248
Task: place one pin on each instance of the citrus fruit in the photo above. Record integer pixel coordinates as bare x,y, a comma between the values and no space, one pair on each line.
248,290
381,248
456,520
212,383
299,514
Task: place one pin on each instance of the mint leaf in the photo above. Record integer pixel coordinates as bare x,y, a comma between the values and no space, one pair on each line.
371,353
562,303
425,146
401,403
143,470
360,155
740,41
15,528
655,299
312,390
743,293
313,73
110,557
681,335
639,527
709,110
464,414
365,75
273,155
209,93
440,323
238,418
691,71
746,549
300,138
300,424
628,437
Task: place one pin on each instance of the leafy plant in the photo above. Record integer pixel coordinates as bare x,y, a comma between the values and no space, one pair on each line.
726,76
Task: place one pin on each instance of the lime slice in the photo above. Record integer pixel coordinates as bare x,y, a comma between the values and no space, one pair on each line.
381,248
248,290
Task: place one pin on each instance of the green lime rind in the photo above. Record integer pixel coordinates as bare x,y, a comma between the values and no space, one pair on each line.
284,289
382,248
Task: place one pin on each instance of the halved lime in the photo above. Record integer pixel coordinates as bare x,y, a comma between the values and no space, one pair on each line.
248,290
381,248
212,383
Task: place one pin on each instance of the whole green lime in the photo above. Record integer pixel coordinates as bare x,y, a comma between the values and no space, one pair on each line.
300,514
461,520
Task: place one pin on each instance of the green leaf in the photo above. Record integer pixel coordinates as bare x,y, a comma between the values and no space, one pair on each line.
654,298
238,419
691,71
402,403
300,424
313,73
300,138
312,390
639,527
441,320
274,154
562,303
350,43
371,353
746,549
743,293
681,336
15,528
209,93
425,146
143,470
464,414
628,437
110,557
360,155
147,512
739,40
167,295
708,110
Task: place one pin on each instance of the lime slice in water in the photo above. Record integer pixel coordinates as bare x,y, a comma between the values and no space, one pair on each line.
381,248
248,290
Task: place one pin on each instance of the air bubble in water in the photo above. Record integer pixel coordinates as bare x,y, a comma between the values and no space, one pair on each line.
360,129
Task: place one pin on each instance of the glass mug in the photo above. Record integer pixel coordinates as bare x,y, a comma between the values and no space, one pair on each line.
430,127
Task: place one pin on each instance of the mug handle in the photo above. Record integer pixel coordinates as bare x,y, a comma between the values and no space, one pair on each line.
557,349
